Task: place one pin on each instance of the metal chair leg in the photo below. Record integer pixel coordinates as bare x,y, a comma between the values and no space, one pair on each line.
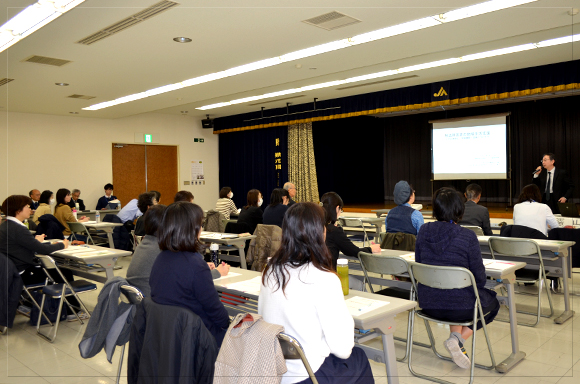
120,364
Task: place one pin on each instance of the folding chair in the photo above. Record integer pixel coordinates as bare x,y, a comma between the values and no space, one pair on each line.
446,278
514,247
60,291
131,295
390,265
478,231
292,350
76,227
358,223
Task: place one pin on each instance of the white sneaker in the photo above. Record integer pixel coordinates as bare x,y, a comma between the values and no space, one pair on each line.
73,317
457,352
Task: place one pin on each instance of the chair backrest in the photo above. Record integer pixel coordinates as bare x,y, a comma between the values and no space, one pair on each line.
77,227
350,222
47,262
478,231
292,350
511,246
388,265
131,294
214,221
441,277
522,232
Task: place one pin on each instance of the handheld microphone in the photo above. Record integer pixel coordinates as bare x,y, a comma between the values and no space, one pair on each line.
537,171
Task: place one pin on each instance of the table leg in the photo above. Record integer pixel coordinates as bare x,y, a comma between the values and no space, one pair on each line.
378,229
110,237
390,359
242,254
516,355
568,313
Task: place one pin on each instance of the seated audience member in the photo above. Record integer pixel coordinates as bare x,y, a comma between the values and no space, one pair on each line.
404,218
64,214
445,243
475,215
252,214
302,292
130,211
291,188
157,196
76,193
144,203
21,247
43,206
225,205
274,213
148,249
530,212
336,239
183,196
34,196
104,200
179,275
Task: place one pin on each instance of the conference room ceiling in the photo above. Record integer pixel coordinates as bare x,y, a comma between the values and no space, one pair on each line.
226,34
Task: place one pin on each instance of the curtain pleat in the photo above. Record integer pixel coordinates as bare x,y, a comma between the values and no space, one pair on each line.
301,164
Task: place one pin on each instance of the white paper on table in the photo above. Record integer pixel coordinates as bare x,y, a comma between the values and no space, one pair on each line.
97,253
498,265
251,286
230,274
53,241
360,305
74,248
89,222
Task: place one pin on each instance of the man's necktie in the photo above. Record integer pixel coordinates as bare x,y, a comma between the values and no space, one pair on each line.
548,187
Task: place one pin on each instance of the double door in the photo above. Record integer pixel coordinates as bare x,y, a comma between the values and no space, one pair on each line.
138,168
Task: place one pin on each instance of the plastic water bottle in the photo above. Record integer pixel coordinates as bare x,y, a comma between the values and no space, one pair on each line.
26,224
342,270
213,250
74,212
77,206
97,216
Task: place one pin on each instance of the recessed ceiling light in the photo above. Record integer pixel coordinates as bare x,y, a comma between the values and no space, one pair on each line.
61,84
182,39
74,113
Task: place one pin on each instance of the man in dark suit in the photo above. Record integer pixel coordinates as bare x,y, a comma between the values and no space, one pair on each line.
291,188
75,200
474,214
554,183
35,196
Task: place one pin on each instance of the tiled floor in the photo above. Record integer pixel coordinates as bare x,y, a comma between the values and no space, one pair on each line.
553,352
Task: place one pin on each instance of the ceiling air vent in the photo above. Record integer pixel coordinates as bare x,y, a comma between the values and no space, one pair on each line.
130,21
5,81
331,20
46,60
376,82
84,97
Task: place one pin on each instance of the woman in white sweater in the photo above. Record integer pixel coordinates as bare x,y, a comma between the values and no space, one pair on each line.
530,211
301,291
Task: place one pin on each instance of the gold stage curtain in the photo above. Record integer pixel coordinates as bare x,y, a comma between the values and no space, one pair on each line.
301,165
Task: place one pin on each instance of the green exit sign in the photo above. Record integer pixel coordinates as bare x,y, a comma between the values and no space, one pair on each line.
148,138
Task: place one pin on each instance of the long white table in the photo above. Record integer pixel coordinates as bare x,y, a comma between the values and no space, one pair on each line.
229,239
381,319
556,255
91,213
81,259
505,276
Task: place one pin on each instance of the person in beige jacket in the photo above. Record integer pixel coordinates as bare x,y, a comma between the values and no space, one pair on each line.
64,214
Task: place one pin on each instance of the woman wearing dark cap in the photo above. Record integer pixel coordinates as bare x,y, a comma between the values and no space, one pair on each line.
180,276
403,218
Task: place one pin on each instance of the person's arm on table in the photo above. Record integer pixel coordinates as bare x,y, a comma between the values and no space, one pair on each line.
550,218
207,296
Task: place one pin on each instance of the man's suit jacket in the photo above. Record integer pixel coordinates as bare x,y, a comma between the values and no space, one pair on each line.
71,204
562,185
478,216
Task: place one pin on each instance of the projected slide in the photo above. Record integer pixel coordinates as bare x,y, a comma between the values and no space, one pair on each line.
470,149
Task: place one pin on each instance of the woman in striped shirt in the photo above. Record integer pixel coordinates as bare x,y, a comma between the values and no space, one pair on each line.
225,205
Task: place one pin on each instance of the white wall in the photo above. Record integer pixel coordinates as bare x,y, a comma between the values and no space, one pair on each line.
52,152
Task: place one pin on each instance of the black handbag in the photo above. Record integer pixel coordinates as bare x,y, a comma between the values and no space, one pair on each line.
50,309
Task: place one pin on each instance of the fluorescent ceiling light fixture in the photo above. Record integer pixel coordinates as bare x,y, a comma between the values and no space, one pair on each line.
412,68
414,25
33,18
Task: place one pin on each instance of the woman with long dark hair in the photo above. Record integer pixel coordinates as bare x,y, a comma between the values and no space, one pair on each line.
301,291
64,214
336,239
180,276
274,213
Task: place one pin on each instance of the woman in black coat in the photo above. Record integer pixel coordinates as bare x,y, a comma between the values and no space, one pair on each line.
252,214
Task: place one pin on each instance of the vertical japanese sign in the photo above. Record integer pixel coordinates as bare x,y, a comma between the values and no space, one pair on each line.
277,161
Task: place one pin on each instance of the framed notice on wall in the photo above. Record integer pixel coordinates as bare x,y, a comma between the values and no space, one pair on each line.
197,177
